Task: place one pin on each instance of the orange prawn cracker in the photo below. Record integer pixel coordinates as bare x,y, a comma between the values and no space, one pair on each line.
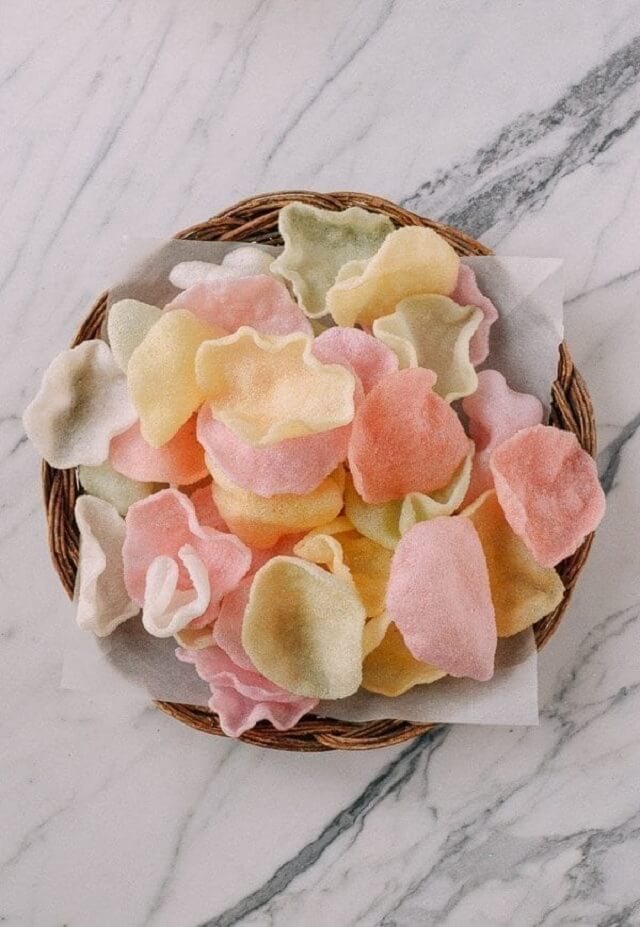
180,461
261,522
162,376
548,488
404,439
302,629
440,599
411,261
522,591
495,413
268,388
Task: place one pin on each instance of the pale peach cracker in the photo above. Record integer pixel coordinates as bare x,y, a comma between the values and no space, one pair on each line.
261,521
267,388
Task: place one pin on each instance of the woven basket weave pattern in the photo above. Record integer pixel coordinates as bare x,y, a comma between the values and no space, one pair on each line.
256,220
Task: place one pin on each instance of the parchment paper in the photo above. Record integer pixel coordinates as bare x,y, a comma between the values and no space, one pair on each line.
144,265
524,347
524,339
130,660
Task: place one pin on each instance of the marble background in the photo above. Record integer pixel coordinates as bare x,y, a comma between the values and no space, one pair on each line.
518,122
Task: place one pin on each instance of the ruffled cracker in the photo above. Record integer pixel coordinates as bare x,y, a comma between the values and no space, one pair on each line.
180,461
268,388
206,510
260,302
167,608
317,242
411,262
368,358
101,596
495,413
172,562
82,404
241,262
128,323
243,697
162,375
227,632
352,557
434,332
389,667
386,522
467,293
296,465
119,491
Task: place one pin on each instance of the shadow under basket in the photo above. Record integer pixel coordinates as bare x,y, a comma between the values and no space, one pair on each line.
256,220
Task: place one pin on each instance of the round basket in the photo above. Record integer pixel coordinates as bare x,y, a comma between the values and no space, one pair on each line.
256,220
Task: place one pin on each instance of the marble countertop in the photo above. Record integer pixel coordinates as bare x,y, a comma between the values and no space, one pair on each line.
517,122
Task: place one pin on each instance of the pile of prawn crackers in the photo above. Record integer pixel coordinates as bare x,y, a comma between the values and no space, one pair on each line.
295,470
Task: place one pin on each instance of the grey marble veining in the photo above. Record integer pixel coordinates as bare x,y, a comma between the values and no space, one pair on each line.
518,122
521,166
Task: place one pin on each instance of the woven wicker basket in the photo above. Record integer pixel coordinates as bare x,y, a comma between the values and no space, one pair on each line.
256,219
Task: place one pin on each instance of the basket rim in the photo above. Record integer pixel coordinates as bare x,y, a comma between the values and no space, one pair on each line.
254,219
